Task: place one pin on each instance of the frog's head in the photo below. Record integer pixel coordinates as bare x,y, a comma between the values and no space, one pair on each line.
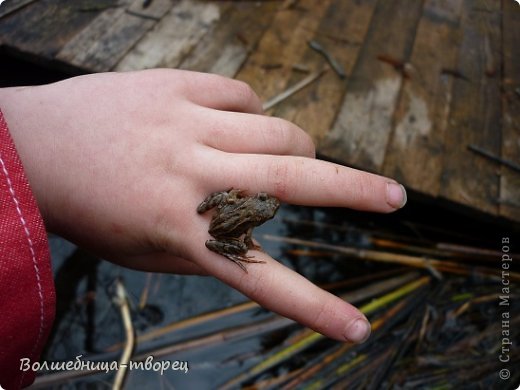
266,205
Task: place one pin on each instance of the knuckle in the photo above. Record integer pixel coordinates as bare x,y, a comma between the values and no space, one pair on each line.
246,93
290,138
308,147
279,178
363,189
278,132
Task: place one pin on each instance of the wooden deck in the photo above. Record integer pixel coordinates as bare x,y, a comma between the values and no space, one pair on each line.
426,80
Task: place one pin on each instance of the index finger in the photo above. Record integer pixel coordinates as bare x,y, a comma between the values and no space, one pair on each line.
307,181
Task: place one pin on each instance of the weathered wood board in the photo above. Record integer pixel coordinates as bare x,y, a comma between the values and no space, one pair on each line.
269,67
173,37
111,35
509,200
424,81
475,115
41,28
341,32
364,122
422,114
225,48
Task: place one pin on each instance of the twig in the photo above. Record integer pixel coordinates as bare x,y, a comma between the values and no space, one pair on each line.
382,239
122,301
226,336
405,68
378,288
455,73
484,153
471,252
146,289
141,15
192,321
292,90
331,60
396,258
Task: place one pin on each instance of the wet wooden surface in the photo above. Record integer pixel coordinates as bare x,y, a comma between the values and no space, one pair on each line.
425,79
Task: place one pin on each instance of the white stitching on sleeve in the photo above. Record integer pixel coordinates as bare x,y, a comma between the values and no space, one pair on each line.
33,255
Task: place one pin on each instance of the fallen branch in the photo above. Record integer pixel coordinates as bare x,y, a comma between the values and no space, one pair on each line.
397,258
293,89
121,300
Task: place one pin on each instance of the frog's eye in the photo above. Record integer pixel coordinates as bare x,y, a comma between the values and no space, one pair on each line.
263,196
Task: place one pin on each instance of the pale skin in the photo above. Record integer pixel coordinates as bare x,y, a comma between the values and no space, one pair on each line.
118,164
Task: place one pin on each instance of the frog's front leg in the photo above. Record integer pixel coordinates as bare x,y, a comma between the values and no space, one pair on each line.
234,249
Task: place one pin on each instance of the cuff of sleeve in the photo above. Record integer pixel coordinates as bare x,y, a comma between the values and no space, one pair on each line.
27,298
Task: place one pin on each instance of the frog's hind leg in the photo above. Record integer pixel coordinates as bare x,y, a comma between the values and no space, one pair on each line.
212,200
233,249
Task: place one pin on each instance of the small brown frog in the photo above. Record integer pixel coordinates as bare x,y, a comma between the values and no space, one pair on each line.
233,222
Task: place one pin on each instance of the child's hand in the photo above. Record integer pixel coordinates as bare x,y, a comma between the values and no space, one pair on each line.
119,163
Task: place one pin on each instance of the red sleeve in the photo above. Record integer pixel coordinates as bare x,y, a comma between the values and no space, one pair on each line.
27,298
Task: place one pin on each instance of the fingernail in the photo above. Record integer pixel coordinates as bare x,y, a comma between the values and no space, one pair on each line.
358,331
395,195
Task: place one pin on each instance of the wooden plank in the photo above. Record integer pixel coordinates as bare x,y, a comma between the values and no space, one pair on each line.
359,135
173,37
79,48
43,27
422,114
100,46
224,49
150,11
341,33
269,67
475,118
12,5
509,205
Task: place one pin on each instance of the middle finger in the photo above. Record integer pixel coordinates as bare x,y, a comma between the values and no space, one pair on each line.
237,132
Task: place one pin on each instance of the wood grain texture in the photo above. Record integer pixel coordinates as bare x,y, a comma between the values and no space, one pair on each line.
422,114
13,5
79,48
225,48
269,67
425,78
174,37
509,202
475,116
360,134
341,32
40,29
101,45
